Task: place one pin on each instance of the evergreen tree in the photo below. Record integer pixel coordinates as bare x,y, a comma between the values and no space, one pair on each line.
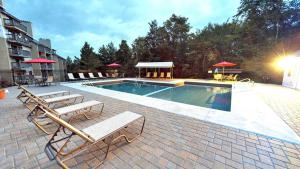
111,50
69,63
107,54
124,53
88,59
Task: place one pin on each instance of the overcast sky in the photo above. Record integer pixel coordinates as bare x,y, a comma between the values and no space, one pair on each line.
69,23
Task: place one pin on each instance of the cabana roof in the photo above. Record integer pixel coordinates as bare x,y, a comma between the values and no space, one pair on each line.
154,65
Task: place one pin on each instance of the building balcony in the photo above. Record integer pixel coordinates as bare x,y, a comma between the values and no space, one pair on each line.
20,66
19,53
19,39
46,66
12,24
45,50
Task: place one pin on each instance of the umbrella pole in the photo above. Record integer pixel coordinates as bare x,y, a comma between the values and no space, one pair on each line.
223,73
139,72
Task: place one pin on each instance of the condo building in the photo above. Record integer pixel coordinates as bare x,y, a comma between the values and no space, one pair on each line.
17,45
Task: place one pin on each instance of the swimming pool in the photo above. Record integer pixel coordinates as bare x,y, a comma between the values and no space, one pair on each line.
215,97
133,88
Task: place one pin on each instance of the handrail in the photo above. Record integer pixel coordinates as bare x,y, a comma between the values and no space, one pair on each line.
248,80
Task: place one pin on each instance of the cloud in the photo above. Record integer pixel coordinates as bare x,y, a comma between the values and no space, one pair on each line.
70,23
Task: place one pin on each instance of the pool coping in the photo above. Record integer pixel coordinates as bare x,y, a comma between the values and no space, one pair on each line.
238,117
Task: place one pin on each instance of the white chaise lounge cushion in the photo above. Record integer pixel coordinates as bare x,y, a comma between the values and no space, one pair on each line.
51,93
76,107
81,75
92,75
109,126
61,98
71,76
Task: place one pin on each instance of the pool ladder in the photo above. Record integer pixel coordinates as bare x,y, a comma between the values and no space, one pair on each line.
88,84
247,81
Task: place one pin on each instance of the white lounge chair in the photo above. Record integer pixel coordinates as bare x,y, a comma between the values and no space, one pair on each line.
81,76
148,75
23,97
53,94
107,131
76,110
168,75
71,76
59,99
92,76
100,75
107,75
162,75
65,100
154,74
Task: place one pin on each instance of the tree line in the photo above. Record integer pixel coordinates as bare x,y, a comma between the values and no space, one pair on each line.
260,31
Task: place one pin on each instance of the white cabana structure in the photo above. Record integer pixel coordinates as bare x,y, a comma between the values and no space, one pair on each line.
291,76
155,65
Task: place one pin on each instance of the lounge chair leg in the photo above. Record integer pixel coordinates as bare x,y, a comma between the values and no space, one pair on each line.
87,117
32,118
102,108
124,136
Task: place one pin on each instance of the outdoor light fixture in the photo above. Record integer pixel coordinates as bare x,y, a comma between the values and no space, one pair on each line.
285,62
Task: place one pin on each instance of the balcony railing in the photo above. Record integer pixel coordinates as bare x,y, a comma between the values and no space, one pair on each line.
18,38
45,50
20,66
19,53
50,67
13,23
46,67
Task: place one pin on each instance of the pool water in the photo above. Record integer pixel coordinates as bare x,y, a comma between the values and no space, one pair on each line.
198,95
133,88
204,96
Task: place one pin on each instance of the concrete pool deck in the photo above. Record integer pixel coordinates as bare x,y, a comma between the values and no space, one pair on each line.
248,111
169,140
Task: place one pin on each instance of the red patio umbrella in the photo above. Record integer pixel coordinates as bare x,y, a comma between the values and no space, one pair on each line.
224,64
39,60
113,65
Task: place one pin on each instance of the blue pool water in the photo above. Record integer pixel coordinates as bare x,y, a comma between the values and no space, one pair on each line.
134,88
197,95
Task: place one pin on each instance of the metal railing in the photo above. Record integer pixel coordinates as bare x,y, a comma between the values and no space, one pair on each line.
46,67
18,38
247,82
19,52
10,22
20,66
45,49
10,76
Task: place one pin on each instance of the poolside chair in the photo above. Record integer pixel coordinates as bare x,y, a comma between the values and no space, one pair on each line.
218,77
61,148
30,98
107,75
148,74
71,77
168,75
81,76
22,95
92,76
154,74
100,75
49,80
235,77
116,75
162,75
38,117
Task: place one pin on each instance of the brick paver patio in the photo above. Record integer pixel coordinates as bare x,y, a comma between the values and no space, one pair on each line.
168,141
